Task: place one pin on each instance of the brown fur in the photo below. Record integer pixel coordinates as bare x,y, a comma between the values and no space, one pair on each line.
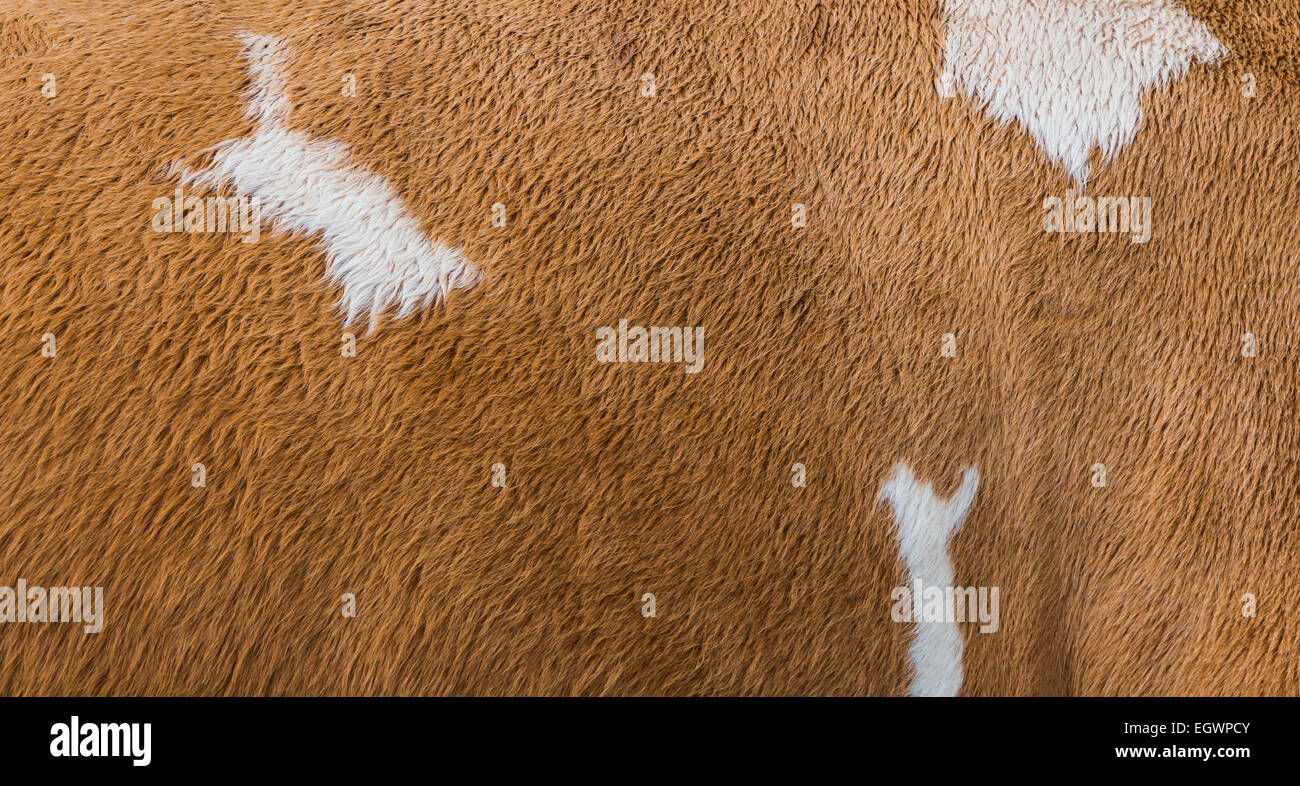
371,475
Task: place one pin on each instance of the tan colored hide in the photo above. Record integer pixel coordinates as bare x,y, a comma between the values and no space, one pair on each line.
372,475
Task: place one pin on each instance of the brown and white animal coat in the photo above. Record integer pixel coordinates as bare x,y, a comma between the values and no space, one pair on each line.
919,322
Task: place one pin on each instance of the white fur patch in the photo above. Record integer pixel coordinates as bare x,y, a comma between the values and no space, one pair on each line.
925,524
1071,71
374,247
